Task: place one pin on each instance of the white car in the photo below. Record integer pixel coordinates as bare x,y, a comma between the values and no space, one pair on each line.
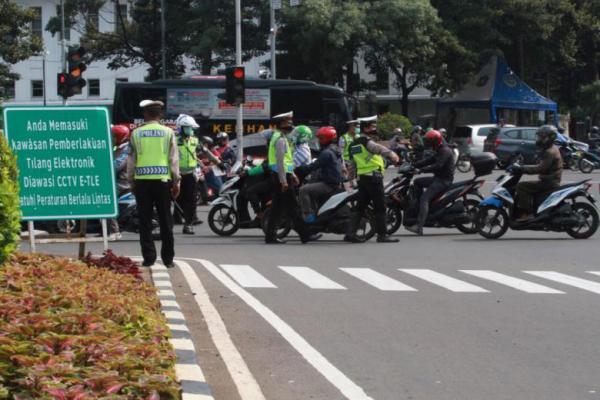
472,136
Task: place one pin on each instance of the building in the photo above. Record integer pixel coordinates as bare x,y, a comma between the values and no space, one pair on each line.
29,89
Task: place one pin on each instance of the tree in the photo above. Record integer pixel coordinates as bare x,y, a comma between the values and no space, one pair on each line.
17,42
320,40
407,38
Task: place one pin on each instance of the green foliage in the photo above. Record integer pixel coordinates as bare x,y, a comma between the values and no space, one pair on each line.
17,42
408,38
99,336
589,101
10,213
387,122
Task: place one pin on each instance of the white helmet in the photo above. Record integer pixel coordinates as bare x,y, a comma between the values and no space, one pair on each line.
222,135
186,120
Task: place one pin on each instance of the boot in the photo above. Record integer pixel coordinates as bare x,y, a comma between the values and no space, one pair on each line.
415,229
386,239
188,230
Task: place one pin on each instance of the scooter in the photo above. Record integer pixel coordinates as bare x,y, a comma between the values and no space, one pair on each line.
589,161
456,207
560,211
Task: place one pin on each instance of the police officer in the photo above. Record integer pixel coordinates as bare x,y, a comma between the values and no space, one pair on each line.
370,166
344,144
283,198
153,173
187,145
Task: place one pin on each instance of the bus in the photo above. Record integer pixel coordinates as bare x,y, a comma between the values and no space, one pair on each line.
313,104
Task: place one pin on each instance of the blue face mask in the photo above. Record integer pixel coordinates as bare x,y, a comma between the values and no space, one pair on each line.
357,131
187,130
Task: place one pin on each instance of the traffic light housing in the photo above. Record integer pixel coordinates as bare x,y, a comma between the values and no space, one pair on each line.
72,82
235,85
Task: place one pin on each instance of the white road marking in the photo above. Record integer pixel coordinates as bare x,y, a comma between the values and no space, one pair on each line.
178,327
182,344
169,303
158,275
516,283
166,293
312,278
584,284
594,272
247,276
336,377
163,284
240,374
445,281
378,280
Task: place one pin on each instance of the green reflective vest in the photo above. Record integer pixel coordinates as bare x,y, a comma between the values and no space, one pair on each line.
152,144
366,162
187,154
288,160
347,143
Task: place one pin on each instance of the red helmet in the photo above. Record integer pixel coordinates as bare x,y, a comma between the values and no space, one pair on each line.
326,135
121,134
433,139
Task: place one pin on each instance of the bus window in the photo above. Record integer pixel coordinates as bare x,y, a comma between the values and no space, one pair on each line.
128,104
306,104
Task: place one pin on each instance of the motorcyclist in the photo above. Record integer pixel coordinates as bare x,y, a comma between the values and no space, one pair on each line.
330,165
302,134
441,164
210,162
225,153
120,137
370,166
416,141
549,169
187,144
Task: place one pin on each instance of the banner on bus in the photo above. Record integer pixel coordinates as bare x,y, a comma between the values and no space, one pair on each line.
207,104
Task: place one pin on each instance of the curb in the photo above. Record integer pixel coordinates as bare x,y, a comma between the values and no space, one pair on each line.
189,373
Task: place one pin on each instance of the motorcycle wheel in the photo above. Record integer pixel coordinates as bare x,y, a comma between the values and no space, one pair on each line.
284,228
463,164
63,225
472,207
586,166
492,222
222,220
393,219
366,229
588,214
574,164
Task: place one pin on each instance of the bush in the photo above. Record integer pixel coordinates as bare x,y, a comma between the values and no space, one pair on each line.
387,122
120,265
70,331
10,214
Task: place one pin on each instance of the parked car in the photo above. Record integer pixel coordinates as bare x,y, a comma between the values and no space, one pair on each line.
471,137
506,142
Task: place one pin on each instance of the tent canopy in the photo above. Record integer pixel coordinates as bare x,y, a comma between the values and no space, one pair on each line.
497,86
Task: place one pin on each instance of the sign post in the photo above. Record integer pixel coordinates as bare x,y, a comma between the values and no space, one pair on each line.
65,163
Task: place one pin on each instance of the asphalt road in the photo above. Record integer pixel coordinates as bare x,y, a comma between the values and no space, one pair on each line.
444,316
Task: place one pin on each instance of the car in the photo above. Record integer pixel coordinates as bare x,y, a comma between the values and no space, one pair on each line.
506,142
471,137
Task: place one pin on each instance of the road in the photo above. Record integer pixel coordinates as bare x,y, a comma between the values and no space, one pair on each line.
445,316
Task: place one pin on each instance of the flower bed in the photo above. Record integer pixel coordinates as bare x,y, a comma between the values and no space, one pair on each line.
71,331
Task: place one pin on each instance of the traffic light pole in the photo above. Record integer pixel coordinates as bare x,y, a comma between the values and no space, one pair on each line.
273,42
62,42
239,125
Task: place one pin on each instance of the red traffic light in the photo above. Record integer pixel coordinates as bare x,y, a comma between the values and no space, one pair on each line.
62,79
238,73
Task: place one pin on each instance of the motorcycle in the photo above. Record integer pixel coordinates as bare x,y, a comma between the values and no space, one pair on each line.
456,207
462,160
589,161
224,214
560,211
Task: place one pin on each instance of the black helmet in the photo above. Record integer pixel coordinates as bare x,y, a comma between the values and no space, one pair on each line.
417,129
545,136
206,140
595,130
560,130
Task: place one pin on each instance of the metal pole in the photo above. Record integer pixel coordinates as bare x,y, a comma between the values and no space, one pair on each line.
273,37
239,124
163,48
104,234
31,236
44,75
63,43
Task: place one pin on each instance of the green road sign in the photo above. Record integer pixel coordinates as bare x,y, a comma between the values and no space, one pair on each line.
64,157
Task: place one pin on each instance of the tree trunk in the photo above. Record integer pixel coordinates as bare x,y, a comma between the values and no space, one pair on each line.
404,102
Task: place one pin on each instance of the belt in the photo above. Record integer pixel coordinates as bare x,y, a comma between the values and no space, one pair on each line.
375,174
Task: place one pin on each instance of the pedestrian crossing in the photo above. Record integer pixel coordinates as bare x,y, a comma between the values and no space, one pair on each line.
480,281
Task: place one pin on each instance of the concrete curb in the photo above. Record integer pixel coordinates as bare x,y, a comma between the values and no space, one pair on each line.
189,373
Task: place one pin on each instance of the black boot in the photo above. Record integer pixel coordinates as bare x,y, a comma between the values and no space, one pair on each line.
386,239
352,228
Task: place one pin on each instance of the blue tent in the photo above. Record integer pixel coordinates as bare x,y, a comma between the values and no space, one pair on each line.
495,87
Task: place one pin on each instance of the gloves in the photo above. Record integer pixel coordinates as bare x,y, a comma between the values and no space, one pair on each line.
514,169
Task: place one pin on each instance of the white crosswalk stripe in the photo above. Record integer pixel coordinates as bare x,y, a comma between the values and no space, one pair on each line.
594,272
378,280
569,280
246,276
312,278
516,283
445,281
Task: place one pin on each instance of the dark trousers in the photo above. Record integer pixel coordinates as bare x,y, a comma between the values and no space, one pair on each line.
434,187
187,197
148,195
284,203
527,191
370,191
254,192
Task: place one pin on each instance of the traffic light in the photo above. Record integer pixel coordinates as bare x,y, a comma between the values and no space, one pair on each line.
72,82
61,84
235,85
